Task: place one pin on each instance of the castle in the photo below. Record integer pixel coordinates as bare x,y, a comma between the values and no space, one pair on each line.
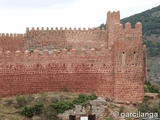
111,63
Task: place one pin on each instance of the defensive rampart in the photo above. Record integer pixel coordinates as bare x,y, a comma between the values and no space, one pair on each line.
111,63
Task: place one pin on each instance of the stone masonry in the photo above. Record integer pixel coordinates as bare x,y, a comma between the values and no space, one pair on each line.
111,63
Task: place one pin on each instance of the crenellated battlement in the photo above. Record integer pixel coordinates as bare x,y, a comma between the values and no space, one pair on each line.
128,28
113,15
62,29
112,18
110,62
12,35
58,37
127,39
127,31
50,56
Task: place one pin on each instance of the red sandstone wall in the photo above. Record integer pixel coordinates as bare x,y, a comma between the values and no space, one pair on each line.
112,17
117,70
51,39
78,73
129,63
66,56
12,42
45,39
50,81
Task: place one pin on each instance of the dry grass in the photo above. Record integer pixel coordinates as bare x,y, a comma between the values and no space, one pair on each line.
9,112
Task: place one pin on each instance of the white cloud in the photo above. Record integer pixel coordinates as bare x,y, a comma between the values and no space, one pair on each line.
83,13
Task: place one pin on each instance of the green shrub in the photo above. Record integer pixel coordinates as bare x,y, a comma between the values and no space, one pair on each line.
62,106
128,118
81,99
145,99
38,108
30,111
151,88
93,96
148,83
109,118
27,111
146,89
83,96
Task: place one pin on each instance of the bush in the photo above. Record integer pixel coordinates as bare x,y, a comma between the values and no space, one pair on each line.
81,99
148,83
62,106
109,118
38,108
27,111
145,99
57,106
30,111
93,96
151,88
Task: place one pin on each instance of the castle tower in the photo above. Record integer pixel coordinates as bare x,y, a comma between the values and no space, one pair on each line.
112,18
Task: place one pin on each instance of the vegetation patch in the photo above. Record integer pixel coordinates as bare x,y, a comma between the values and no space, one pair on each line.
33,110
62,106
151,88
83,98
147,107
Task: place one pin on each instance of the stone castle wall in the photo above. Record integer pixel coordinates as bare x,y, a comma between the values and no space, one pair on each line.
75,70
109,62
129,62
65,38
12,42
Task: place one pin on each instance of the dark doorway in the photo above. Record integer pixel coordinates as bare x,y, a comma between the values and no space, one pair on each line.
78,117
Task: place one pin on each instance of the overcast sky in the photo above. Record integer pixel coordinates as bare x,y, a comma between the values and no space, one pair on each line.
16,15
